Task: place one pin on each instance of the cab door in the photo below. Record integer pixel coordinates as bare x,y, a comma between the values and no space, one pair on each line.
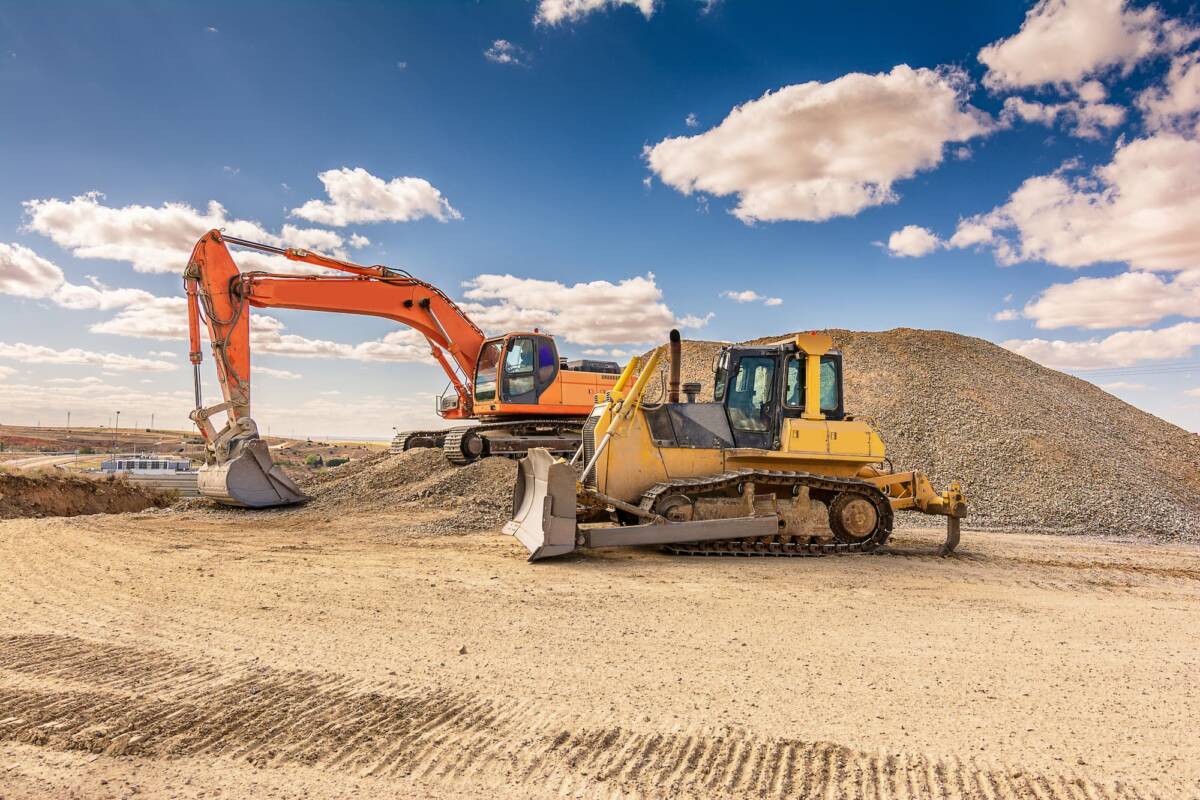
752,401
530,368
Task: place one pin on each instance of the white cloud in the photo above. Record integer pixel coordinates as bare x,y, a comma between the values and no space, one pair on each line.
26,274
1006,315
1193,392
357,196
815,150
912,241
358,241
98,297
1135,298
1176,104
1086,120
751,296
630,311
971,233
1121,349
553,12
74,356
1064,42
1119,386
691,121
282,374
210,29
91,401
503,51
7,372
159,239
1141,208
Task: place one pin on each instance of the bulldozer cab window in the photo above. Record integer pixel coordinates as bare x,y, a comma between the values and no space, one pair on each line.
793,395
720,376
518,371
485,373
749,399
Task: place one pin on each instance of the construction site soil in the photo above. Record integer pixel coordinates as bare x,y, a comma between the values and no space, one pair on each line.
329,651
57,495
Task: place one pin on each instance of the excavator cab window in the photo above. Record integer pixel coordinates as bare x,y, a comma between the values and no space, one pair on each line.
485,373
518,386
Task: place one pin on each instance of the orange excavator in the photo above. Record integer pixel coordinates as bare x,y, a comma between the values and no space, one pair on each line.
516,387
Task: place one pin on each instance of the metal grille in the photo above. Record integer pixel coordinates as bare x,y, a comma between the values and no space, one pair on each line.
589,446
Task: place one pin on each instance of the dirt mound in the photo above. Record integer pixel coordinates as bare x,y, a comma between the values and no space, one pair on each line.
54,495
1035,449
478,496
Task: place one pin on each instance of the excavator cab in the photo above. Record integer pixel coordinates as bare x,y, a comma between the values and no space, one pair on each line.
515,369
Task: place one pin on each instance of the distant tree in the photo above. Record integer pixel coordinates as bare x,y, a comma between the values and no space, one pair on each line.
313,461
336,461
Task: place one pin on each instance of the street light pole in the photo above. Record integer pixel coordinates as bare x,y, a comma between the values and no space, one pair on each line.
116,427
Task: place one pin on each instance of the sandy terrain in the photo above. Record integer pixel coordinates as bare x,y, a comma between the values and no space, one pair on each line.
178,655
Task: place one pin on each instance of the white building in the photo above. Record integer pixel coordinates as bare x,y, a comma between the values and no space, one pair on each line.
146,464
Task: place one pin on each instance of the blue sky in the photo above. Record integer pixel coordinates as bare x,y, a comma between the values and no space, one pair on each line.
576,141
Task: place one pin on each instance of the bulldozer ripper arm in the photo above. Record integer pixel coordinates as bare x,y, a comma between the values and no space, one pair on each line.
913,490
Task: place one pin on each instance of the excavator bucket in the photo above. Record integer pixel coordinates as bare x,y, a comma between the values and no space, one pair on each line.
249,479
544,505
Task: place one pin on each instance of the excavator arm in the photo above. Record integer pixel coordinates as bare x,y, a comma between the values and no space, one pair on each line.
238,468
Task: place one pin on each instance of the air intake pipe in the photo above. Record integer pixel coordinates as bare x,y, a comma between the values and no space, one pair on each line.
675,366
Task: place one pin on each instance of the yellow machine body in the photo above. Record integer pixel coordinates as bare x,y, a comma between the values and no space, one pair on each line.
629,449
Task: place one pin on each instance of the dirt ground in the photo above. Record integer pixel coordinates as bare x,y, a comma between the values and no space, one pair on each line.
178,654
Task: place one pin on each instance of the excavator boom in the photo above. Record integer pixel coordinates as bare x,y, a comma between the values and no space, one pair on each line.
238,467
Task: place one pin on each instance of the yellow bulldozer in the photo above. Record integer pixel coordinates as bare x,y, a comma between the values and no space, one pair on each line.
773,466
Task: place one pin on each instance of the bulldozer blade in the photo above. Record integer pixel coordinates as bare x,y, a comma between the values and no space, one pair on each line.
250,479
543,505
953,532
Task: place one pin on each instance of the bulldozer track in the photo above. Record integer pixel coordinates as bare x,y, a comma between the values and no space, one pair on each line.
71,694
452,446
724,482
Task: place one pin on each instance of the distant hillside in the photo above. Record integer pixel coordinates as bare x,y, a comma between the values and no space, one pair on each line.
1035,449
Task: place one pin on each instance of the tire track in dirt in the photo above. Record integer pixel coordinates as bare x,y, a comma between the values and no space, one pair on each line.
155,705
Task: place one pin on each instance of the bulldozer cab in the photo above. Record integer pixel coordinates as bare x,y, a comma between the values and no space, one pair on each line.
760,387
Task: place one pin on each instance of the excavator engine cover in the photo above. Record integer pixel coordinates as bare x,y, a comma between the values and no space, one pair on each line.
249,479
544,505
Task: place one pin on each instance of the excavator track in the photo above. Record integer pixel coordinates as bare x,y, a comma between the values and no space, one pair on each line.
522,435
723,484
411,440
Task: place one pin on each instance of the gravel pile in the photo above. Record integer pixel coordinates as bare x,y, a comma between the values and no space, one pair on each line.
478,496
1035,449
